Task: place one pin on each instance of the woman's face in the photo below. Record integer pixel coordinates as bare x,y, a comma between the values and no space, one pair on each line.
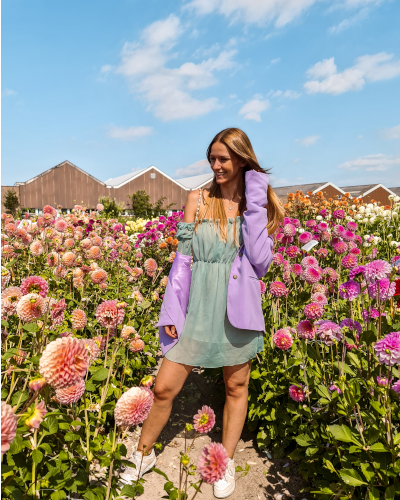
224,163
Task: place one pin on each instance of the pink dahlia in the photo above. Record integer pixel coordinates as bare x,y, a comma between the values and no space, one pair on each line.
329,331
339,214
305,237
352,226
322,253
355,251
99,207
97,241
136,345
30,307
69,259
150,266
10,298
204,420
108,315
382,289
306,330
289,230
60,271
78,319
278,289
57,312
86,243
388,349
34,284
320,298
297,269
319,288
283,339
322,226
311,275
71,394
340,248
137,296
356,271
311,223
377,270
127,332
348,236
313,310
93,348
133,407
212,463
277,259
53,259
296,392
349,261
60,225
263,287
384,381
36,415
349,290
309,261
292,251
9,423
330,274
64,362
396,387
36,248
335,388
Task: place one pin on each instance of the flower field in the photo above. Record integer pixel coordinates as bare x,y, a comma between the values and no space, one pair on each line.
81,297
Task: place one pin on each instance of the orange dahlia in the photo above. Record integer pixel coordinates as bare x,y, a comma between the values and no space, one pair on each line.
86,243
53,259
136,345
98,276
69,259
97,241
128,331
71,394
77,272
79,319
30,307
69,243
171,257
150,265
64,362
11,229
94,253
7,251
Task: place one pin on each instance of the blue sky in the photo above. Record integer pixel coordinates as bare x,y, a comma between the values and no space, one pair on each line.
118,86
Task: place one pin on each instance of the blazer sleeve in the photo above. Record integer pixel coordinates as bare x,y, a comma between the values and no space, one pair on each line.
258,244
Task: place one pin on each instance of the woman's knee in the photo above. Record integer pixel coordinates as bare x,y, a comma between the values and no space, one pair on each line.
163,392
236,389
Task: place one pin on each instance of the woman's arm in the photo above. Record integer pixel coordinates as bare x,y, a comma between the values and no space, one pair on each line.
258,244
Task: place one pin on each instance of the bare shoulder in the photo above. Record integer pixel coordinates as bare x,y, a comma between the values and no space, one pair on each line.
191,206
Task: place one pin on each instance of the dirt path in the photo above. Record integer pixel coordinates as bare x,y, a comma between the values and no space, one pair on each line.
267,479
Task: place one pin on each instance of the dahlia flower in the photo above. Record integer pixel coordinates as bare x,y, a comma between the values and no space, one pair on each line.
305,237
311,275
37,383
352,226
278,289
289,230
309,261
36,416
305,329
212,463
322,253
283,339
9,299
97,241
292,251
204,420
93,349
320,298
60,225
297,269
36,248
330,274
319,288
9,422
348,236
98,276
396,387
329,331
335,388
340,248
8,251
133,406
313,310
388,349
349,261
339,214
384,381
71,394
64,362
78,319
94,253
86,243
263,287
150,266
99,207
53,259
57,312
60,271
147,381
136,345
297,393
358,270
349,290
30,307
34,284
382,289
108,315
277,259
311,223
69,259
164,281
377,270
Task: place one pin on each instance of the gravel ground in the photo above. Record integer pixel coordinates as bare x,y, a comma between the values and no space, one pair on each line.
276,479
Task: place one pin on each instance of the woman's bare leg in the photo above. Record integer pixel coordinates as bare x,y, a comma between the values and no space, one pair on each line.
169,382
236,380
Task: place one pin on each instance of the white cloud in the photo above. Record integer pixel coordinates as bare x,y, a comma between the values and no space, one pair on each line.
368,68
372,163
296,160
252,109
274,61
288,94
232,96
8,92
391,133
106,68
169,91
198,168
349,21
308,141
129,134
278,181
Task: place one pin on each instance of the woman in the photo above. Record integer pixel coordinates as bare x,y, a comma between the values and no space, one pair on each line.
224,323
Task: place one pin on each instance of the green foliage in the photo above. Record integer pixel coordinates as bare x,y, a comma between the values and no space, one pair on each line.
112,209
11,201
143,208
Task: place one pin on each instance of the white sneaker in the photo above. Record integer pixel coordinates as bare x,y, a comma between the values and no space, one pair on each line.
130,474
226,486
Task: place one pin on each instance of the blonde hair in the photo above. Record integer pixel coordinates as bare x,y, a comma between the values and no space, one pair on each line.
239,144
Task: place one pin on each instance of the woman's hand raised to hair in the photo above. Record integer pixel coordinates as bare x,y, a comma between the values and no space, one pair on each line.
170,330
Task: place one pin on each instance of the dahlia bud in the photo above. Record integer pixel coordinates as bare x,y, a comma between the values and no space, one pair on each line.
189,427
36,416
127,371
37,383
121,305
185,460
147,381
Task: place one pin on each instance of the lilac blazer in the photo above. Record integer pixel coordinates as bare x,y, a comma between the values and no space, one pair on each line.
251,263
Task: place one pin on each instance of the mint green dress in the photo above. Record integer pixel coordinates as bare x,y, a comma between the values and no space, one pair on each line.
208,339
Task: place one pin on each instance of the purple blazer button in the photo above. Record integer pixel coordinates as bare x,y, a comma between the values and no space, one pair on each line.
234,276
240,254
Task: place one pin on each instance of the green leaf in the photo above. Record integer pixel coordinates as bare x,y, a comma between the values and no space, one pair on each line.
378,447
46,447
128,491
344,368
50,425
31,327
378,407
367,470
89,495
304,440
341,433
58,495
329,465
368,337
354,359
323,391
100,374
390,492
311,450
396,439
4,323
374,494
158,471
145,304
37,456
90,386
70,436
351,477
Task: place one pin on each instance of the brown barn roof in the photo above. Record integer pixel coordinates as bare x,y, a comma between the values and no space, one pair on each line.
363,190
315,187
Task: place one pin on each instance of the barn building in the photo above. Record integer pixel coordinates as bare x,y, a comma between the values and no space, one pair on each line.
370,192
329,190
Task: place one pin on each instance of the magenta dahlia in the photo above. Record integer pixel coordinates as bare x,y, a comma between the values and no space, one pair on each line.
377,270
320,298
277,259
339,214
212,463
349,261
396,387
297,269
292,251
296,392
330,274
305,237
382,289
340,248
313,311
311,275
278,289
309,261
305,329
283,339
388,349
329,331
349,290
204,420
34,284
